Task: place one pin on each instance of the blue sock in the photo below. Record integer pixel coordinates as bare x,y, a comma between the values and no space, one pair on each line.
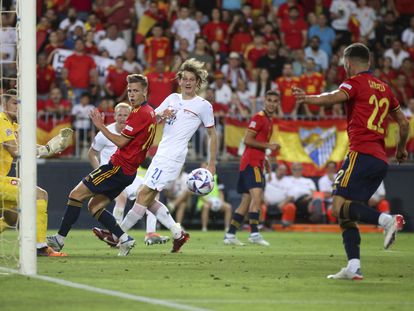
359,212
235,223
71,215
109,222
254,222
352,240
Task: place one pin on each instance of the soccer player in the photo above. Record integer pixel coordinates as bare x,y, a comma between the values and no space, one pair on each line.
100,153
369,101
9,186
107,181
183,114
251,178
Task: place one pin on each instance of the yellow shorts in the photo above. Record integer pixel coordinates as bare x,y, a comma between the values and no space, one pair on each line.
9,193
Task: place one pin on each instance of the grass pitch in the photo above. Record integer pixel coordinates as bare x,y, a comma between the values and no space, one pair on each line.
288,275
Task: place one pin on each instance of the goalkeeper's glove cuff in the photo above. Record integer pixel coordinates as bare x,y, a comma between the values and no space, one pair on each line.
43,151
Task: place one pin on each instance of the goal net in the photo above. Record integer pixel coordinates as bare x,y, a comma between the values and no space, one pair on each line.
18,72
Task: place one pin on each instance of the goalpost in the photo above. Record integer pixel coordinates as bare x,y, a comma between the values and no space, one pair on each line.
26,71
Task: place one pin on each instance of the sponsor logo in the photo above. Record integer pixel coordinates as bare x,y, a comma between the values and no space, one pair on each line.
9,132
252,124
129,128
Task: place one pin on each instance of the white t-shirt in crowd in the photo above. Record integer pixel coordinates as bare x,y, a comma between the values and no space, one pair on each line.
189,115
104,146
186,28
81,116
276,190
325,184
115,48
301,186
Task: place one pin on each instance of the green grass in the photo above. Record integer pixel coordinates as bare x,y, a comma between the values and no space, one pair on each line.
288,275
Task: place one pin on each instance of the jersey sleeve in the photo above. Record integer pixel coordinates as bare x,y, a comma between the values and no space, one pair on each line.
207,115
350,87
394,104
255,123
135,123
98,142
6,131
164,105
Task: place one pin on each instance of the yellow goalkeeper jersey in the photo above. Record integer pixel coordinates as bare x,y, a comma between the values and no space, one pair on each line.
8,131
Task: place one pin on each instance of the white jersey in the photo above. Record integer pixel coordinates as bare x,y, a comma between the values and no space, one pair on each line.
104,146
178,130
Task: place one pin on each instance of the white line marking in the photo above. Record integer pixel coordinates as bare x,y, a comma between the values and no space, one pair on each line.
164,303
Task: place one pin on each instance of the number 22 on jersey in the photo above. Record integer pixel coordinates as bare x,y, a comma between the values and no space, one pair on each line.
380,107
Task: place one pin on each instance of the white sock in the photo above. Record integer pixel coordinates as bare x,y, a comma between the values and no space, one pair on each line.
151,222
41,245
353,265
135,214
123,238
254,234
230,235
118,213
60,238
163,215
384,220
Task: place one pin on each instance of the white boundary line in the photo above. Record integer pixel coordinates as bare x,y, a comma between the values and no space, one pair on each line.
108,292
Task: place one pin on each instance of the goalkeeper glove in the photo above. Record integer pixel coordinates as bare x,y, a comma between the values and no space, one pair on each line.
57,144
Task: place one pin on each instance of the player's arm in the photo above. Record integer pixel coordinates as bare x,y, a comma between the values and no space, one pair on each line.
324,99
97,119
12,147
93,157
401,154
250,140
212,135
57,144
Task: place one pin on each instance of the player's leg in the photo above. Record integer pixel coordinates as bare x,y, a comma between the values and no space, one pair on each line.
226,209
120,202
254,208
151,236
205,214
237,221
10,215
8,202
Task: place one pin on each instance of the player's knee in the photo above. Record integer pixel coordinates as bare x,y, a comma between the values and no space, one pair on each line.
347,224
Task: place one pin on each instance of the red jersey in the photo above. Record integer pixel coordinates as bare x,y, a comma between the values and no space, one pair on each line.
288,100
293,33
160,85
313,84
116,81
45,77
369,102
262,125
140,128
253,53
79,67
215,31
239,41
156,48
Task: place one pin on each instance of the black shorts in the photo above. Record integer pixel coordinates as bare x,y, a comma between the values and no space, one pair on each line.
360,176
251,177
108,180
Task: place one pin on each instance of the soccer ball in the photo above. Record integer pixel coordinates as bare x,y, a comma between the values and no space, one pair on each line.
200,181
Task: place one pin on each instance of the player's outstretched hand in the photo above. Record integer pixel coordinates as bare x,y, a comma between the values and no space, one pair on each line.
401,155
57,144
97,118
167,113
274,146
299,94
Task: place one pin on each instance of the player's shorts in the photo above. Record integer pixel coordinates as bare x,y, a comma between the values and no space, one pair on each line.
131,190
108,180
162,172
9,189
360,176
251,177
216,204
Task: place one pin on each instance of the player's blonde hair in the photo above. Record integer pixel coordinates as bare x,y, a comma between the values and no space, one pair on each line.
122,105
197,68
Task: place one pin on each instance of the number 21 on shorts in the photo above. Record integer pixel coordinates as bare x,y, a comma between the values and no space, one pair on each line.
156,174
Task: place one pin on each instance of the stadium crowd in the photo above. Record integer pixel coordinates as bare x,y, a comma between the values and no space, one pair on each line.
86,48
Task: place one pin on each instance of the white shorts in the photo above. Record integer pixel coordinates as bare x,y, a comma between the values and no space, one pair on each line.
216,204
131,190
162,172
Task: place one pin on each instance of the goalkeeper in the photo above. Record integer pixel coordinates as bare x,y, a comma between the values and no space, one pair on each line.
10,185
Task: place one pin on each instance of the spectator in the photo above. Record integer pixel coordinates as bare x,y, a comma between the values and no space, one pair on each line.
161,83
90,46
69,43
388,31
294,30
409,110
185,28
233,70
299,62
82,7
367,21
407,69
114,45
46,77
397,54
283,11
313,83
269,33
272,61
325,34
70,22
130,63
254,51
244,94
122,14
325,185
216,30
79,69
200,53
93,24
408,34
240,36
222,91
115,83
157,47
54,43
56,107
317,54
141,6
378,200
276,196
181,55
106,106
302,191
82,122
403,92
215,202
387,73
258,89
284,84
341,11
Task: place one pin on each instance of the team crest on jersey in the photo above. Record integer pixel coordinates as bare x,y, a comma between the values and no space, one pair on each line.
318,143
9,132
